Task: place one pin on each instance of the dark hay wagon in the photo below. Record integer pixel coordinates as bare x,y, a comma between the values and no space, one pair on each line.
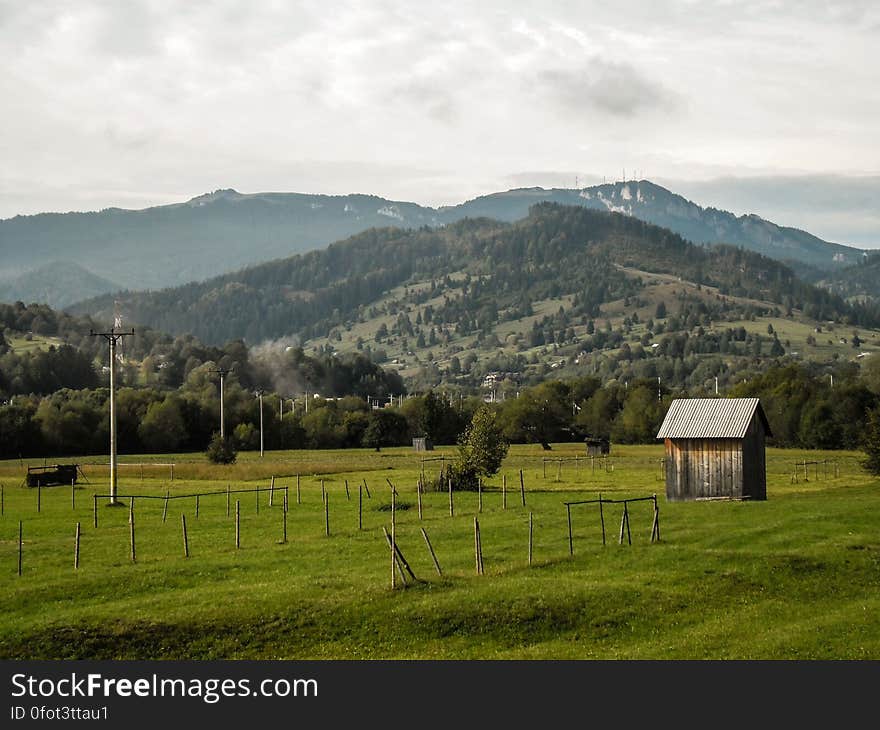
47,476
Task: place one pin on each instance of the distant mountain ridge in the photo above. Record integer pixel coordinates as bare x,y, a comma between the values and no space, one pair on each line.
58,284
225,230
556,251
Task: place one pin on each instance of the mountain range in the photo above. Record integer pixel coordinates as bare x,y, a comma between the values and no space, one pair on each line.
224,231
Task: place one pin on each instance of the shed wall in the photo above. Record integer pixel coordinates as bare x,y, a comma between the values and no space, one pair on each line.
754,462
703,468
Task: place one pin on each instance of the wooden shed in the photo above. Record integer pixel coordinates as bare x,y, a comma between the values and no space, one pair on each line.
597,446
715,449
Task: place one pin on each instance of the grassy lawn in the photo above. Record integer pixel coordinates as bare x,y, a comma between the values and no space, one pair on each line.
797,576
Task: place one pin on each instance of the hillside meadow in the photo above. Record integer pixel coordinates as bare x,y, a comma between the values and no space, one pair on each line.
795,577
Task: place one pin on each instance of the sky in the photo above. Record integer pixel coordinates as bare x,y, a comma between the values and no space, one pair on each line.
764,107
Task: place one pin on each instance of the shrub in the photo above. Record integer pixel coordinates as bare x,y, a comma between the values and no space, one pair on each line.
221,451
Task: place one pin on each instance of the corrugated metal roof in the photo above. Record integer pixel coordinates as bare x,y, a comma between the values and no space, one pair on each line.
711,418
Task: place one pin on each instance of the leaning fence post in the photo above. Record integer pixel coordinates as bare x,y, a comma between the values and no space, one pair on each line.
477,547
165,508
76,549
431,550
602,518
347,493
197,506
522,488
185,540
367,489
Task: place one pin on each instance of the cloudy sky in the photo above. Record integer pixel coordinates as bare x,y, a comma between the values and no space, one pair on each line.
766,107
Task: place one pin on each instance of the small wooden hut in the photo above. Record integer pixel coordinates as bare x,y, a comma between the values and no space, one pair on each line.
715,449
597,446
422,444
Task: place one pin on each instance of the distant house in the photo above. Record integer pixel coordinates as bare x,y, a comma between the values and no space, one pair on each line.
715,449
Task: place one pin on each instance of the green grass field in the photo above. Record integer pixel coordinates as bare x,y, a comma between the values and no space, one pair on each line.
797,576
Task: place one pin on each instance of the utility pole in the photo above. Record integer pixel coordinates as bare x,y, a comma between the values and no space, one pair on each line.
716,385
112,337
223,373
260,396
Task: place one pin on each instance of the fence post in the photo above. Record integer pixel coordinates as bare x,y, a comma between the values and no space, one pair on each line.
570,543
298,496
504,491
431,550
419,496
73,494
480,494
327,515
76,549
451,509
165,508
272,493
185,539
522,488
131,529
477,546
95,509
394,565
360,507
347,493
237,523
530,538
602,518
19,546
227,500
39,494
197,506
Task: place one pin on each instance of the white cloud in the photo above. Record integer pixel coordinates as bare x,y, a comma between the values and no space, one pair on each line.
109,103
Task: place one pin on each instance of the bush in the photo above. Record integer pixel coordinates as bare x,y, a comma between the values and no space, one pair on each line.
221,451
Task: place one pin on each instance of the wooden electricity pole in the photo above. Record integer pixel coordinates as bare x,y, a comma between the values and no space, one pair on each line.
222,373
112,337
260,396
